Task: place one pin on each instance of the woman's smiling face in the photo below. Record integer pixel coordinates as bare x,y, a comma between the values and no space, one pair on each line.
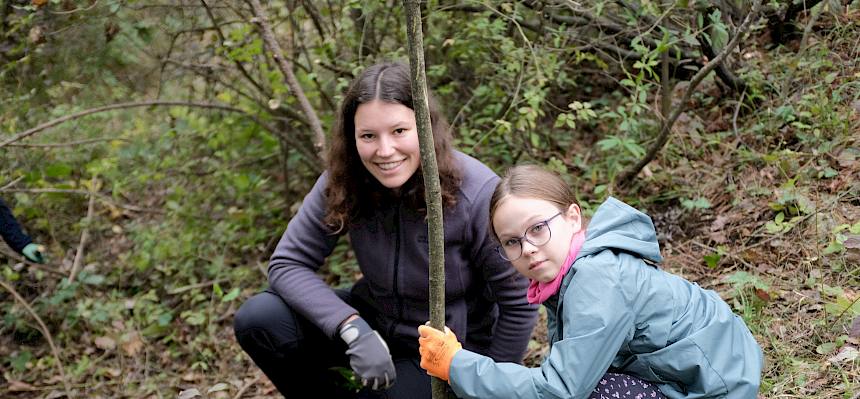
386,138
516,216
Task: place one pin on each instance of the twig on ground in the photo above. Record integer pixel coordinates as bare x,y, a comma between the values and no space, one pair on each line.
85,234
246,386
731,255
195,286
11,183
737,111
44,329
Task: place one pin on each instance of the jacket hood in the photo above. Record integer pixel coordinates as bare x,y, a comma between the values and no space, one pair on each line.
618,226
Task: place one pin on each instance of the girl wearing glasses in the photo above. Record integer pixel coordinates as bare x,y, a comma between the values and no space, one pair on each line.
619,326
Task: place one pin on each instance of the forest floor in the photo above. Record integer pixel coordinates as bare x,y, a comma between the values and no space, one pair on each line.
770,220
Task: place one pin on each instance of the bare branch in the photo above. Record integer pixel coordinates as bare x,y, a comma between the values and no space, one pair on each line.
626,175
723,71
95,3
70,143
58,121
315,17
238,64
287,70
101,197
11,183
205,71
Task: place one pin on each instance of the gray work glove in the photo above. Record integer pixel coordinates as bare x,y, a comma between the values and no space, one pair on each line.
368,355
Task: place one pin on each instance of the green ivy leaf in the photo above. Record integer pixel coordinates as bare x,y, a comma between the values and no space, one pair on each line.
233,294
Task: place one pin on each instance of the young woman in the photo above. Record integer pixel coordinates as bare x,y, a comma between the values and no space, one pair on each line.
373,191
619,326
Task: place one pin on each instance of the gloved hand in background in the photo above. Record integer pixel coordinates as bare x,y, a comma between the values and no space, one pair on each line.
437,350
33,253
14,236
368,354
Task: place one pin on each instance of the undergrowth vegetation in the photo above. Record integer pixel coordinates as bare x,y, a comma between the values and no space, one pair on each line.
159,218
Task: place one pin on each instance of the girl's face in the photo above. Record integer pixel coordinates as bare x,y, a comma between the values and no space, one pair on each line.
519,218
386,138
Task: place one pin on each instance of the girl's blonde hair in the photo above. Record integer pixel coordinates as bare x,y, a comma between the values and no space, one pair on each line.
531,181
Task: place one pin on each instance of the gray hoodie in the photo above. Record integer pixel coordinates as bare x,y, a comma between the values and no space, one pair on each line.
485,297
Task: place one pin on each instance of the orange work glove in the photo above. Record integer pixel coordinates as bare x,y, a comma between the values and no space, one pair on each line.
437,350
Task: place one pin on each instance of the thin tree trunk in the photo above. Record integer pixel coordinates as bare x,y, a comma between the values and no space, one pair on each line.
433,191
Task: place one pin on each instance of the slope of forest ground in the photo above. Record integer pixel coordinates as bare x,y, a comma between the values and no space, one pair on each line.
756,196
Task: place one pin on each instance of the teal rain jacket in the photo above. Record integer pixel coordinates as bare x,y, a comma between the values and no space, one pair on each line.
617,310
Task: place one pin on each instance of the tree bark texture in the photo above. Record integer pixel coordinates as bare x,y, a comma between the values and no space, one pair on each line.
430,170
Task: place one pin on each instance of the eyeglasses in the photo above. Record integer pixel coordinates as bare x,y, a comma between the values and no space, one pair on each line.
538,234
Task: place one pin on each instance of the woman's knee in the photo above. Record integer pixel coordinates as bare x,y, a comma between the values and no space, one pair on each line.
265,312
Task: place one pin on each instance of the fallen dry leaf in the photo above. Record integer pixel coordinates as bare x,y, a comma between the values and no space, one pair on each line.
846,354
19,386
719,223
854,332
131,343
852,242
105,343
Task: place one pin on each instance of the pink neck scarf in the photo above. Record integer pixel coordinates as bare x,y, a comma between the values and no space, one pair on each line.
539,292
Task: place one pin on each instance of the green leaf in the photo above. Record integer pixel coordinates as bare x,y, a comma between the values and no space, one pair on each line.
834,247
698,203
233,294
20,361
164,319
194,318
608,143
92,279
58,170
712,260
740,280
825,348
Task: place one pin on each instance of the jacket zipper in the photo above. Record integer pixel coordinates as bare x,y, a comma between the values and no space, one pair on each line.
395,291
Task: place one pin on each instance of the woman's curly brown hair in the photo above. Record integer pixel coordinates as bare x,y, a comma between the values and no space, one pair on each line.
352,191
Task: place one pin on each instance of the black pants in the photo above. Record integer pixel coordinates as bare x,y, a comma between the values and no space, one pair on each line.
298,357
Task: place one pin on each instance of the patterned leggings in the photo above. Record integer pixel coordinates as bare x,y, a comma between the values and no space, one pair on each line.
623,386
